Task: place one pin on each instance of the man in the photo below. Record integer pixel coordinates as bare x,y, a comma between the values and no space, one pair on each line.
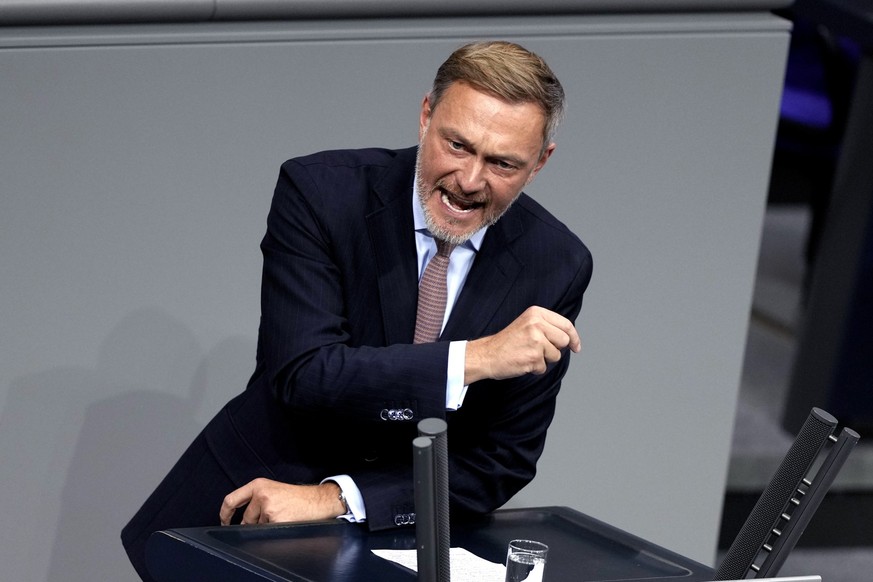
344,373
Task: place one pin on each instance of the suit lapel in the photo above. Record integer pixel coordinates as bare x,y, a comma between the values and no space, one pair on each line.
492,276
392,234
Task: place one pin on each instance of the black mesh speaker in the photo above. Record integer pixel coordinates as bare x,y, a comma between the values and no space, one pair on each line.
787,484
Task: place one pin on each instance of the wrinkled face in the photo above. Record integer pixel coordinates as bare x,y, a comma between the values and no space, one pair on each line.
476,153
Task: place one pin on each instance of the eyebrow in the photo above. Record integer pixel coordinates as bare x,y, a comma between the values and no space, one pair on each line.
512,160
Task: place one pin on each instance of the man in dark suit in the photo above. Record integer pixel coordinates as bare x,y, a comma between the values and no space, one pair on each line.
324,428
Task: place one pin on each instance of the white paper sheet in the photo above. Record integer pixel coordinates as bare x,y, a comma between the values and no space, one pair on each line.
464,565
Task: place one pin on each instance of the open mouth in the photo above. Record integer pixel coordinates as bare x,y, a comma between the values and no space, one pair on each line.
459,204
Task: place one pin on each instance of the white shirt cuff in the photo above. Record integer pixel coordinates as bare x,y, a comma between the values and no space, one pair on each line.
357,511
455,388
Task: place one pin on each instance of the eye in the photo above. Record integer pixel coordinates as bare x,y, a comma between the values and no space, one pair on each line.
456,145
504,165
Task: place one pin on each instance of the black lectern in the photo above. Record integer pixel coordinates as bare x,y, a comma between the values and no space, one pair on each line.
580,548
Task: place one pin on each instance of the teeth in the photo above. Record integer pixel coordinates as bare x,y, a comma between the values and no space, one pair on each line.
448,203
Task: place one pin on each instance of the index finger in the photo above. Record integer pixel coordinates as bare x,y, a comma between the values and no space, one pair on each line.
235,499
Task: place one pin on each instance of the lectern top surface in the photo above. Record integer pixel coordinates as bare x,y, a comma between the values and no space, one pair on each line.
580,548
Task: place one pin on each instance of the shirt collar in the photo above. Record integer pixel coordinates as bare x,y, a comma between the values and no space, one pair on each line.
474,242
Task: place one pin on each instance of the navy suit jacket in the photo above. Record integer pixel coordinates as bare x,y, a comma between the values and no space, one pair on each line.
335,345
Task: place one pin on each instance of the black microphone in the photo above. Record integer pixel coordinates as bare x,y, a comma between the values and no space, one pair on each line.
431,474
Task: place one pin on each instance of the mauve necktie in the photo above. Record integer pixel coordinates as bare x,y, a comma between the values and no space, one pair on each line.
432,295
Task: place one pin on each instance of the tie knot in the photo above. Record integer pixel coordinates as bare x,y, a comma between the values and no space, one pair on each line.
444,248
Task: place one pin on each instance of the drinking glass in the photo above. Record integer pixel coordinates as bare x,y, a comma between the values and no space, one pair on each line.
526,561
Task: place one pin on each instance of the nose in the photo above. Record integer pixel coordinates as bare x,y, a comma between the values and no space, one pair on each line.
471,177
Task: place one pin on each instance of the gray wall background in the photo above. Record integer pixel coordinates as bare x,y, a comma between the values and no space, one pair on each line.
137,166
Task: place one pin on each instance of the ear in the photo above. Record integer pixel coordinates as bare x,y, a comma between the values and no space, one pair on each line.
424,116
541,162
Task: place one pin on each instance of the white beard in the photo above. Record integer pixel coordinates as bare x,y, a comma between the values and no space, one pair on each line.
440,232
